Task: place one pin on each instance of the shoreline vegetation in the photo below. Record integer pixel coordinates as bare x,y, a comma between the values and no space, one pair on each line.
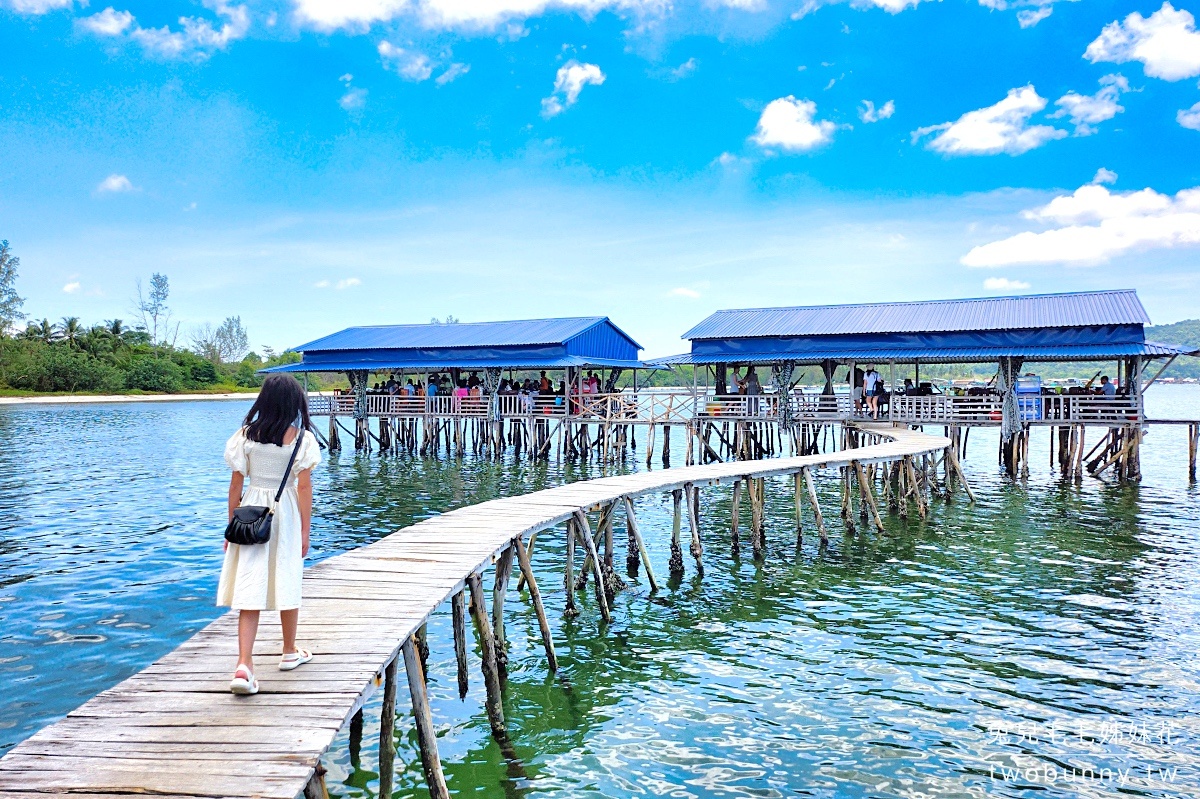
85,399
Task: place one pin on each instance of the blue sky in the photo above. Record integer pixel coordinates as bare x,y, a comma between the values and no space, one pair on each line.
311,164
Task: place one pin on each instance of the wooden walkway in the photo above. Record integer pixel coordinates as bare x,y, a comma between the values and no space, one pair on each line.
175,730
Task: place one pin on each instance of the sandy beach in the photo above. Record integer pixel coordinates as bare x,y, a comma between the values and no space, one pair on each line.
81,399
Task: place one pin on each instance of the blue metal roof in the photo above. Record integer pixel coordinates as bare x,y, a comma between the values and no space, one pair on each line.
386,364
883,354
985,313
514,333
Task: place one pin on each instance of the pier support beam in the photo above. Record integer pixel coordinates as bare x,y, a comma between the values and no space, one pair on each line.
816,506
458,607
736,546
499,590
675,564
584,531
315,789
866,497
491,670
426,736
569,572
387,731
636,535
536,596
693,502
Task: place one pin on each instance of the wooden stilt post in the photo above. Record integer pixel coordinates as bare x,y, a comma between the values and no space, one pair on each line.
636,534
693,502
491,670
315,789
387,726
499,589
458,606
758,535
569,572
675,564
529,547
585,533
812,498
666,447
536,596
847,502
426,736
1193,444
866,497
356,731
958,470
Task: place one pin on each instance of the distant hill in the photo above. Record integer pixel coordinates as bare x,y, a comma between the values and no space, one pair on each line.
1179,334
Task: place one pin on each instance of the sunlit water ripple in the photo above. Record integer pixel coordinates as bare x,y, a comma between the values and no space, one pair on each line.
961,656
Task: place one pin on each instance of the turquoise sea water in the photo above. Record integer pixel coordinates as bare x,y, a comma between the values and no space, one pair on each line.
999,649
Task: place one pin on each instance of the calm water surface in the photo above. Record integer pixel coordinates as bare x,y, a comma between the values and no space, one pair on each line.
999,649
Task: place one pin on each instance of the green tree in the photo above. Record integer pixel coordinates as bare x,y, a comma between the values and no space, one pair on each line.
70,330
10,302
148,373
42,331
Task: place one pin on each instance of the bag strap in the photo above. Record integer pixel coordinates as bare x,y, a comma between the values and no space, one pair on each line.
288,472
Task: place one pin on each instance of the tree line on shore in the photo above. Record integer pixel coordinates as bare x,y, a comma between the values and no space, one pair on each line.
115,356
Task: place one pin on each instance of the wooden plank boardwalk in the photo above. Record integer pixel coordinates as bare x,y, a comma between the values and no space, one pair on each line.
175,730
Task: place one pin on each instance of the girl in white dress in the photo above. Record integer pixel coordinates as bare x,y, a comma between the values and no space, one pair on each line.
267,576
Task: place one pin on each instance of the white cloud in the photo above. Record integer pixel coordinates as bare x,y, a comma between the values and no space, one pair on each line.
682,71
1189,118
353,99
197,40
1029,17
568,83
1086,110
72,288
1105,176
1166,43
452,72
39,7
1095,225
789,124
409,65
683,291
108,22
444,14
341,284
869,113
1000,128
114,184
1004,284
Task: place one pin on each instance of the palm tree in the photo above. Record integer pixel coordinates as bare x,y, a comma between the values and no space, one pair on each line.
70,329
115,327
41,331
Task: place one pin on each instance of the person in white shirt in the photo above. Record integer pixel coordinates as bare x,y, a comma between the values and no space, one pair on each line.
871,384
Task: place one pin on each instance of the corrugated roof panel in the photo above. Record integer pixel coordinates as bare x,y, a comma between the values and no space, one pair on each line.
985,313
513,333
385,364
1088,352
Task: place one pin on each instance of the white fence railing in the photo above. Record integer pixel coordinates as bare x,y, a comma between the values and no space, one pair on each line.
679,407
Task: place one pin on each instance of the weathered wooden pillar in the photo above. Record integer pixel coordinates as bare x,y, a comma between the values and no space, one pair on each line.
491,670
812,498
585,533
315,788
636,535
536,596
426,736
758,534
675,564
569,572
458,608
866,497
499,590
1193,445
693,502
356,731
666,447
421,639
387,727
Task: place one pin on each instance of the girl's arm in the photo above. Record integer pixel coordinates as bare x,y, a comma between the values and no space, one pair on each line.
235,495
304,495
235,492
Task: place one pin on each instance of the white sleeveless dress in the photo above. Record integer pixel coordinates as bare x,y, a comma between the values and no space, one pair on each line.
267,576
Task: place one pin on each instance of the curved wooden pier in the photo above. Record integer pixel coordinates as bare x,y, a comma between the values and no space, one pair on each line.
175,730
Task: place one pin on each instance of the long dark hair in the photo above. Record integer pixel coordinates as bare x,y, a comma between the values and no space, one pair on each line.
281,403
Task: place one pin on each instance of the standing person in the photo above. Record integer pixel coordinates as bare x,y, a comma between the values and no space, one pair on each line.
544,384
753,390
871,385
268,576
857,390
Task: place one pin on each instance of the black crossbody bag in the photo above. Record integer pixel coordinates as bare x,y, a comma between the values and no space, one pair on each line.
251,524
